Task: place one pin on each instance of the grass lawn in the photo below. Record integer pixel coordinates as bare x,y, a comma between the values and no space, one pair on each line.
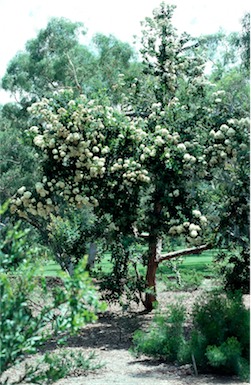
200,263
48,269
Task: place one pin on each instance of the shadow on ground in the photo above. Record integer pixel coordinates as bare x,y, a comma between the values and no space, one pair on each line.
110,332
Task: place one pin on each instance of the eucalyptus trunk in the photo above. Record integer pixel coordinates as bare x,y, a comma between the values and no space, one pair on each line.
154,251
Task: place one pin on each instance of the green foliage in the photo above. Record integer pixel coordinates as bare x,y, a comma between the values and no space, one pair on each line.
243,41
188,280
228,358
15,248
46,62
165,338
227,354
26,323
56,59
234,270
18,165
220,336
23,329
123,282
69,235
113,60
218,340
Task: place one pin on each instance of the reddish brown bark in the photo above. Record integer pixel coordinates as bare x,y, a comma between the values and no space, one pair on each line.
151,274
154,251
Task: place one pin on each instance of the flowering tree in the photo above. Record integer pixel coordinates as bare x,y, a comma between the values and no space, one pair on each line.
144,161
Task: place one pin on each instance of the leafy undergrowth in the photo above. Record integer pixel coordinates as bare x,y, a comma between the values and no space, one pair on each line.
218,339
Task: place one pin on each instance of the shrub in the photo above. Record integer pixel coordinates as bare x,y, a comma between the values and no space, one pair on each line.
165,337
54,366
24,327
220,336
69,235
188,281
25,324
14,247
22,332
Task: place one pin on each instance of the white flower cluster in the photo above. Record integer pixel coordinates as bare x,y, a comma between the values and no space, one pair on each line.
131,170
218,96
192,231
79,140
137,132
189,159
223,145
24,202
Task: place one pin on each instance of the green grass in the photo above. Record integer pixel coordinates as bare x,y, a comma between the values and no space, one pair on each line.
48,269
201,263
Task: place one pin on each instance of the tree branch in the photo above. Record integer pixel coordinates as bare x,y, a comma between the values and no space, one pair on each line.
180,253
74,72
139,235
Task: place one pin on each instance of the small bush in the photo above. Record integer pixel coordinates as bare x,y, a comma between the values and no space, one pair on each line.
220,336
54,366
187,281
69,235
165,338
226,355
14,247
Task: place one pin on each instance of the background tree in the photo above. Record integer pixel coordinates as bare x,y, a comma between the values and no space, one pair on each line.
56,59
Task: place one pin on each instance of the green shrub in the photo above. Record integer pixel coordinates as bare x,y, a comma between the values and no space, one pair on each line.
24,328
69,235
54,366
22,331
165,337
187,281
220,336
25,321
226,355
218,341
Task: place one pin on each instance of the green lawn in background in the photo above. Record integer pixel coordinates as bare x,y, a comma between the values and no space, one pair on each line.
48,269
196,263
201,263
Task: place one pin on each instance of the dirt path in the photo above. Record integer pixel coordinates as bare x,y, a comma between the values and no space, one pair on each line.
122,369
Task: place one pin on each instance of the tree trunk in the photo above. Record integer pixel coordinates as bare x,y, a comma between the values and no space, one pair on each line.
154,250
